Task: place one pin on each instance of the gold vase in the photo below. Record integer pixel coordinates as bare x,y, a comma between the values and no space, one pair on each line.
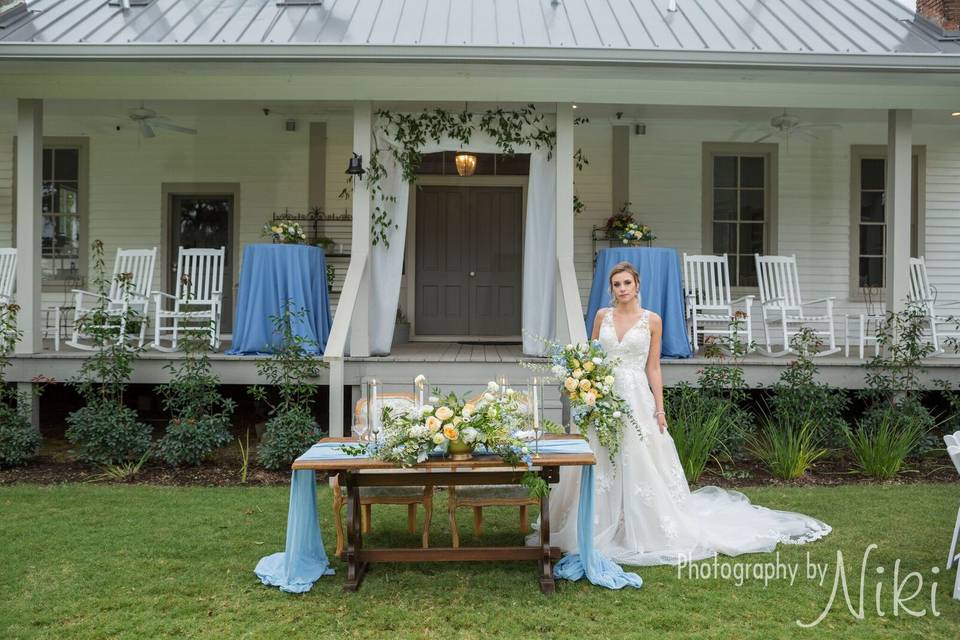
459,450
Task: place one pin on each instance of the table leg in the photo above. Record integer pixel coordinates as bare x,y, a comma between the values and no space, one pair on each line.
545,563
355,568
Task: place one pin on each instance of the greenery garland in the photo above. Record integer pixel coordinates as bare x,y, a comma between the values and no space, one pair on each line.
509,128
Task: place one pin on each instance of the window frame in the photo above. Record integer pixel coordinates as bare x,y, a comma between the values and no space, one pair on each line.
858,153
82,144
771,179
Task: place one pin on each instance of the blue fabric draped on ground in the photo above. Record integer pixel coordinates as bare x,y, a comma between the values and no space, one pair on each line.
304,561
271,275
661,291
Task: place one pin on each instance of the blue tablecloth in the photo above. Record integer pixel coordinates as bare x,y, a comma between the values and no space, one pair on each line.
270,275
304,560
661,291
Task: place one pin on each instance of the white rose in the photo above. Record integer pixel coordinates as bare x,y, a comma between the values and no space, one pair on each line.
444,413
609,380
493,387
438,438
617,414
598,361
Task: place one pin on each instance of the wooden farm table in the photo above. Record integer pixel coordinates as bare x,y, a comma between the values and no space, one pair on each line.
442,472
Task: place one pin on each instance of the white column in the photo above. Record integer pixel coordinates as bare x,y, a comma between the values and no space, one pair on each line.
362,144
570,327
898,199
29,222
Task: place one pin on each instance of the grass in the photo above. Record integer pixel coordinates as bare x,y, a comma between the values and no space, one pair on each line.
98,561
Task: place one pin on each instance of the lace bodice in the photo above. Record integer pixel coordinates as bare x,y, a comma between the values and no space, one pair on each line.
632,350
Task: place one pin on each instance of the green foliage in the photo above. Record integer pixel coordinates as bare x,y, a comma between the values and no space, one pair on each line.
698,425
722,382
288,434
19,440
104,433
244,456
798,398
883,441
121,472
787,446
200,415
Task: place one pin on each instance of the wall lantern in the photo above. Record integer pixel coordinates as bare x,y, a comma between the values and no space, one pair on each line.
466,163
355,168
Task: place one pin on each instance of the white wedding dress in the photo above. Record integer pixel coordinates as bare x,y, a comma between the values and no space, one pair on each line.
644,512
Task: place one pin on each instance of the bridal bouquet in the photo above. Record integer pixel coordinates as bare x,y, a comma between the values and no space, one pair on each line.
586,373
410,435
284,232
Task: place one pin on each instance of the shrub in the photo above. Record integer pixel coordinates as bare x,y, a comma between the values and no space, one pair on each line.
190,441
698,425
883,441
19,440
722,384
786,446
287,435
107,434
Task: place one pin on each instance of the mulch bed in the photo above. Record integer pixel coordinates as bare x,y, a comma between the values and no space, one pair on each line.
55,465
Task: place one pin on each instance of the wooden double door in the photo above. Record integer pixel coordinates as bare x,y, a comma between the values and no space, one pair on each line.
469,258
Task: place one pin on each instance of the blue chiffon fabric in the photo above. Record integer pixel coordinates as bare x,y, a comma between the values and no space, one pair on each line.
304,561
661,291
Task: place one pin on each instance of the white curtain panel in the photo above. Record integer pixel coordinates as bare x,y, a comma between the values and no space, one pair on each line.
540,244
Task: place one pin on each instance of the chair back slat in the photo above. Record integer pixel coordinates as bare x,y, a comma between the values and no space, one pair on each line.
140,264
707,279
954,453
205,270
920,289
8,272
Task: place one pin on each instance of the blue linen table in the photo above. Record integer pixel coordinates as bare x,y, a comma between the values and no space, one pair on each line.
304,560
661,291
271,275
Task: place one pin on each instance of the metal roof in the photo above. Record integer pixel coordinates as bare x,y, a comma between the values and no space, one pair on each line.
818,32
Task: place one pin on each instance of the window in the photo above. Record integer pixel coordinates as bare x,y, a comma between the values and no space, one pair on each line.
62,211
738,206
868,216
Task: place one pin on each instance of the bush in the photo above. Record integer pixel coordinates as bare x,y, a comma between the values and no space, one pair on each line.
287,435
786,446
698,425
883,440
19,440
107,434
192,440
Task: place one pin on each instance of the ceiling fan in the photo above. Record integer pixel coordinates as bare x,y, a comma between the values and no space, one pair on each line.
147,120
784,126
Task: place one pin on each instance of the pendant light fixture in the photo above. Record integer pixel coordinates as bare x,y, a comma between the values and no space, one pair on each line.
466,162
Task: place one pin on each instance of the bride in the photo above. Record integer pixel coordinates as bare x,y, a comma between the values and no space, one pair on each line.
644,512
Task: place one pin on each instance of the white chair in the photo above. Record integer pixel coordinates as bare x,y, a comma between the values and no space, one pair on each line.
198,299
921,291
120,301
706,281
8,274
952,440
781,304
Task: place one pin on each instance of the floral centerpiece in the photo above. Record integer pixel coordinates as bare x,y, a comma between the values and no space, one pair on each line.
285,232
634,234
621,226
454,427
586,375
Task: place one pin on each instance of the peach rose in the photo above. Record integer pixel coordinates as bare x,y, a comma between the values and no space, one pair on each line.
451,432
434,424
444,413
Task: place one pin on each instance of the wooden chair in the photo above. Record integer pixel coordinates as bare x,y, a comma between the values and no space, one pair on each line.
8,274
477,497
369,496
139,263
706,280
922,292
781,304
197,301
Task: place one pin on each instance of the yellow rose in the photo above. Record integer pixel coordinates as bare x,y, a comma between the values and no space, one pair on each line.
451,432
434,424
577,373
573,395
585,385
588,366
444,413
570,384
276,229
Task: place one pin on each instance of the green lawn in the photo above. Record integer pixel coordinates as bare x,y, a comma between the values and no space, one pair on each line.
85,561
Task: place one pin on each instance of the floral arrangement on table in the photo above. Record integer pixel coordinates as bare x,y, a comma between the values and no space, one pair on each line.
453,426
586,375
284,232
621,226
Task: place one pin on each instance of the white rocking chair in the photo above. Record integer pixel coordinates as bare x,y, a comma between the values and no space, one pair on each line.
923,292
781,304
198,300
706,280
952,440
8,274
118,303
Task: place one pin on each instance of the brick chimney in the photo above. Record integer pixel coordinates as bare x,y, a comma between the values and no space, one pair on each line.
943,13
